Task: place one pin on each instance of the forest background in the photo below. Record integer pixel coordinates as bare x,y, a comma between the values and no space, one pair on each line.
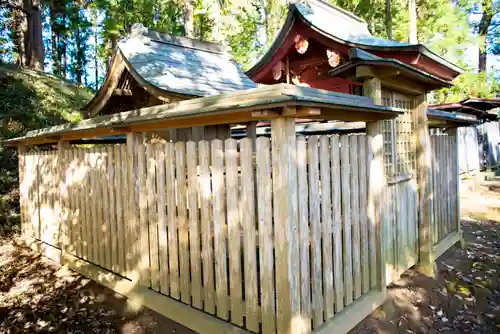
74,39
54,53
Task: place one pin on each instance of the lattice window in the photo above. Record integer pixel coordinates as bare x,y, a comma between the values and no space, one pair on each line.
399,142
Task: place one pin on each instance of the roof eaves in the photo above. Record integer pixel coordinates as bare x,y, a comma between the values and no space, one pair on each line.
255,99
388,62
452,116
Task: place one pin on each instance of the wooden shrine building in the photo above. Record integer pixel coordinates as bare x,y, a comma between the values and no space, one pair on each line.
280,200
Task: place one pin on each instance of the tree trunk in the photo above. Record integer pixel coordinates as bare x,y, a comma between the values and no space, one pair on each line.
484,24
33,43
388,19
189,18
64,41
412,10
263,28
53,38
18,28
79,57
96,60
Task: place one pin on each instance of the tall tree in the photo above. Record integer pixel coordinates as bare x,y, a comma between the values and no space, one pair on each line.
388,19
412,18
188,16
488,12
27,31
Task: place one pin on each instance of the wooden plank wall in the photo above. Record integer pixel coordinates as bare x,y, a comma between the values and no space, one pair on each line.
469,153
333,181
401,227
444,185
202,212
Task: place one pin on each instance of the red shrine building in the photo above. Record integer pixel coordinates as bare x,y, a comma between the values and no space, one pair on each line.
322,46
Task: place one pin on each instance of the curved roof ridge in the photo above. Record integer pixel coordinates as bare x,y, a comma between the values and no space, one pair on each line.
330,6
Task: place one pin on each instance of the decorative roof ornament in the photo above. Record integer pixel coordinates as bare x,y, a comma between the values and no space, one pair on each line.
333,58
301,44
277,70
138,29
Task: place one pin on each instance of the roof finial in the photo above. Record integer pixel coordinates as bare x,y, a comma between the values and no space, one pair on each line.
138,29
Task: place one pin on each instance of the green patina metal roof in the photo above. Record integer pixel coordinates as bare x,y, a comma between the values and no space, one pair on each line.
182,65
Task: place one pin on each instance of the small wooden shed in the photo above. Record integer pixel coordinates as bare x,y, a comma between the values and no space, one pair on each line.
211,203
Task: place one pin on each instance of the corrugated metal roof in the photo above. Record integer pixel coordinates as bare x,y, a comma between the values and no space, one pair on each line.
344,25
182,65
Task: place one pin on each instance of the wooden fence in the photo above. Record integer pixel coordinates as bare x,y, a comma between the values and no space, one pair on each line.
194,221
444,198
479,147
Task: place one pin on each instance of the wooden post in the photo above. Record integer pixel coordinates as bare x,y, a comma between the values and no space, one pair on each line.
453,132
426,257
137,210
376,188
284,168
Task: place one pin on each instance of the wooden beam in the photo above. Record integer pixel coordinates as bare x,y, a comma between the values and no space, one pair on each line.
265,114
122,92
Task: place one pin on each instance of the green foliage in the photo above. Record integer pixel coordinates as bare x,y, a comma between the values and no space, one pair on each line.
30,100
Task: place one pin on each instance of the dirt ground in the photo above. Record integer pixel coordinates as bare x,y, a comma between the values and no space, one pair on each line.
36,295
465,296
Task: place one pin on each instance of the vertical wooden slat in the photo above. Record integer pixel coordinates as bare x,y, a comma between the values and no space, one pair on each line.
234,231
68,219
23,193
442,190
34,196
120,171
219,228
85,204
304,244
266,257
115,263
103,182
435,167
346,210
326,222
194,224
75,194
96,235
205,194
314,213
144,264
173,243
250,239
180,159
131,210
79,194
449,174
162,222
432,189
363,213
356,245
103,209
153,217
337,224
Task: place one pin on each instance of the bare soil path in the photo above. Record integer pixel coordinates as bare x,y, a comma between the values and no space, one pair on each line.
37,295
465,297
